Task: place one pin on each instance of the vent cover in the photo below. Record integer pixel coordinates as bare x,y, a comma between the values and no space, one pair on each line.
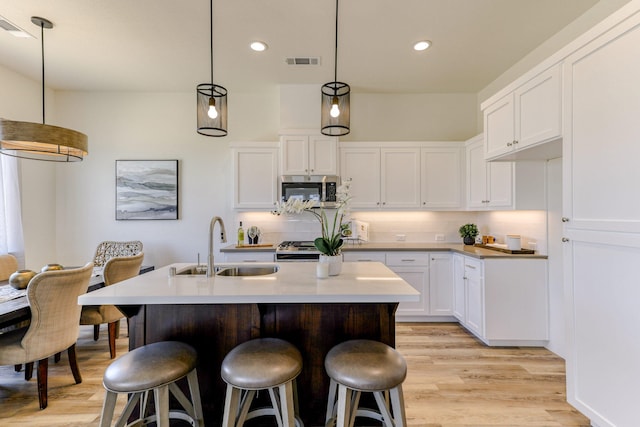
303,60
13,29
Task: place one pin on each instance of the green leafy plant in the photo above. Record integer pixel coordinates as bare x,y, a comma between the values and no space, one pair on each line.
468,230
332,228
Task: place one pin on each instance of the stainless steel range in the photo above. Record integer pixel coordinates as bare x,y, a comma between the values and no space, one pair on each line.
297,251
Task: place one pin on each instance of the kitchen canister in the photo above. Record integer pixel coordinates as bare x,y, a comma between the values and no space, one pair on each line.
513,242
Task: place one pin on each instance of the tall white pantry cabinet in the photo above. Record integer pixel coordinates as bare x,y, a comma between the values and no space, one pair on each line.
601,209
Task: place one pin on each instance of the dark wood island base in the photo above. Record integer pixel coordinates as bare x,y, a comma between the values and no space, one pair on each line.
214,329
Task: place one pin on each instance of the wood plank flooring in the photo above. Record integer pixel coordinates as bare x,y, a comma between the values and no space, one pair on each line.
453,381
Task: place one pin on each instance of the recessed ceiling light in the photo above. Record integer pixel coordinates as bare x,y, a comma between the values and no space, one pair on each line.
422,45
258,46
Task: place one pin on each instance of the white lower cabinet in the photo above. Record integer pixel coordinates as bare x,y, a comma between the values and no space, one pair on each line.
413,267
429,273
503,302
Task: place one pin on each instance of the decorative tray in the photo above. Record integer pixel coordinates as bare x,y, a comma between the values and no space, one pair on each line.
503,248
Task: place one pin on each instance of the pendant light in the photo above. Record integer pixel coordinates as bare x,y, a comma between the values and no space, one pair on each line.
212,102
37,141
335,115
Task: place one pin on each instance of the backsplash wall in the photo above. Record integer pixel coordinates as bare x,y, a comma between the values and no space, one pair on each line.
415,226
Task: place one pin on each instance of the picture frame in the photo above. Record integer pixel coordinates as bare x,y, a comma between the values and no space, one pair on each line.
147,190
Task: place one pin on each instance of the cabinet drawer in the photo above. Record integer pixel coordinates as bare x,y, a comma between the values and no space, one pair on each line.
363,256
408,258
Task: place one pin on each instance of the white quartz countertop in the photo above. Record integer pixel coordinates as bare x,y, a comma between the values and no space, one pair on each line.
294,282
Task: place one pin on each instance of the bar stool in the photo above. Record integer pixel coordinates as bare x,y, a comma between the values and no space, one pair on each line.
261,364
358,366
153,367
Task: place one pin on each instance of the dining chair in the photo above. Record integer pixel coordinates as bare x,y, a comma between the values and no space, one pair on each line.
8,266
54,326
115,270
109,249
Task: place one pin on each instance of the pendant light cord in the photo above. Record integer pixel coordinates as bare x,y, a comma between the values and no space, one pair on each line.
211,40
42,57
335,59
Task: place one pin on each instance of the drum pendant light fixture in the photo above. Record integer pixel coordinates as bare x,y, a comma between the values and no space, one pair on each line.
335,116
37,141
212,102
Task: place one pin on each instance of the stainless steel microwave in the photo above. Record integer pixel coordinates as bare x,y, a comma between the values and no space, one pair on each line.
322,189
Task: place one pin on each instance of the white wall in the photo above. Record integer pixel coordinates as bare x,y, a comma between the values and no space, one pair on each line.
22,100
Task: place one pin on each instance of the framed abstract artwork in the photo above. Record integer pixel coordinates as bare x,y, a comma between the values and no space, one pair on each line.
146,189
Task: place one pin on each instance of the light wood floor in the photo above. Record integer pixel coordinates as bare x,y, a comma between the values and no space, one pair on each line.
453,381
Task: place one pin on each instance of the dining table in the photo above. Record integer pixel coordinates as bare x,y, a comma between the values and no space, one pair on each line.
14,306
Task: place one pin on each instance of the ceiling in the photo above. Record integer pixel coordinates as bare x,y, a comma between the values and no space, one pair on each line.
163,45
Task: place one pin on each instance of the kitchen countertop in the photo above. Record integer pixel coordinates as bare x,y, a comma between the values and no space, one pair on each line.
473,251
294,282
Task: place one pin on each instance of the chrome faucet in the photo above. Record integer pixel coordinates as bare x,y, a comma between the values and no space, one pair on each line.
223,239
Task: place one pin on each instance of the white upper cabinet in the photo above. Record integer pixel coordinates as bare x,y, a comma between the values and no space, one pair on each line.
255,183
503,185
441,177
362,167
526,124
309,155
386,178
408,175
400,178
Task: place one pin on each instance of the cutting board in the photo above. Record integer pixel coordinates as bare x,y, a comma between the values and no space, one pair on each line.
503,248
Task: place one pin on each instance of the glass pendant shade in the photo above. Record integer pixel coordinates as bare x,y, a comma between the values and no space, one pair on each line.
335,116
212,97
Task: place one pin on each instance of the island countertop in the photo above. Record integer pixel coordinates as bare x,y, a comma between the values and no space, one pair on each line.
294,282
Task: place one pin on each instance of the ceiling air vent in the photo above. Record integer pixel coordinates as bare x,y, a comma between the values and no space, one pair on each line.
13,29
303,60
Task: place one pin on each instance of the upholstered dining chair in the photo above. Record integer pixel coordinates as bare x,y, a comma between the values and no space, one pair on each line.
54,326
8,266
115,270
109,249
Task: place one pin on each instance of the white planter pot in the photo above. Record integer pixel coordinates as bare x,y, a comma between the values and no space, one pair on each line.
335,263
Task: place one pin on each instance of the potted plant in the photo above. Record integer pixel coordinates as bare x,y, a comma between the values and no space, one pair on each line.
468,232
333,228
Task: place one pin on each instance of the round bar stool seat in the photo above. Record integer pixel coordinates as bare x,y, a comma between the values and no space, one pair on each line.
261,364
358,366
153,367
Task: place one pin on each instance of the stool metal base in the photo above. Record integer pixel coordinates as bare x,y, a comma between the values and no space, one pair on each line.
192,413
283,406
342,406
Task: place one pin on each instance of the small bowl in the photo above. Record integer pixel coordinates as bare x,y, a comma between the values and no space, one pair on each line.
21,278
51,267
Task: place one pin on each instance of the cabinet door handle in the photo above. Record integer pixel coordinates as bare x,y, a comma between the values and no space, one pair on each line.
509,144
384,203
407,260
515,142
312,170
473,267
565,219
565,239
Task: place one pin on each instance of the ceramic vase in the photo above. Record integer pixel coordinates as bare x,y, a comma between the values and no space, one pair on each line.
335,263
52,267
20,279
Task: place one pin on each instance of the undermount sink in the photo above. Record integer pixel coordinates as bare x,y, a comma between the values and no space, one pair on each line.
249,270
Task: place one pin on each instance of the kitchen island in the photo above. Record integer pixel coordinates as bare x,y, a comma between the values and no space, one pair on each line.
215,314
